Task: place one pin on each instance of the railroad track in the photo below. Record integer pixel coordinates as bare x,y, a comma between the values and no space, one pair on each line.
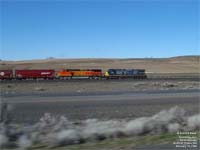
104,80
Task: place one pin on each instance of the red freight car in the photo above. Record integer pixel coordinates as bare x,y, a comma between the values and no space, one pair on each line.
34,74
6,74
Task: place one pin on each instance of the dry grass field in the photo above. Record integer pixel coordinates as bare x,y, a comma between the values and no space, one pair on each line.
181,64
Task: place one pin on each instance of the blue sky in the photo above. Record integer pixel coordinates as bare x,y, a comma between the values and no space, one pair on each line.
98,29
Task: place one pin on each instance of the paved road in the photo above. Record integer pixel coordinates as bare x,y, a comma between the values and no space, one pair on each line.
28,109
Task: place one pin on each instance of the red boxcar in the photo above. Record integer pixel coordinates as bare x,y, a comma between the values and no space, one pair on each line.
34,74
6,74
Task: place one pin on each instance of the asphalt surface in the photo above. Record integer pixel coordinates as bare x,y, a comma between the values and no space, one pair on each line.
113,105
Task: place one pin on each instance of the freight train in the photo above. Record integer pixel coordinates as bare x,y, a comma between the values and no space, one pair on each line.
72,73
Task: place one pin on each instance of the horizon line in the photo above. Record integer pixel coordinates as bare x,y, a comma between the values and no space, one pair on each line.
57,58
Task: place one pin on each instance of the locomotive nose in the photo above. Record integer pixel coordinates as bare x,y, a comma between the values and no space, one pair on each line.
106,74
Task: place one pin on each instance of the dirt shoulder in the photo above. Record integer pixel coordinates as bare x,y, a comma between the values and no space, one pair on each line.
85,86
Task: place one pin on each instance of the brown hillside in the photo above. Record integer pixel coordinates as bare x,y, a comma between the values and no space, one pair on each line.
182,64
